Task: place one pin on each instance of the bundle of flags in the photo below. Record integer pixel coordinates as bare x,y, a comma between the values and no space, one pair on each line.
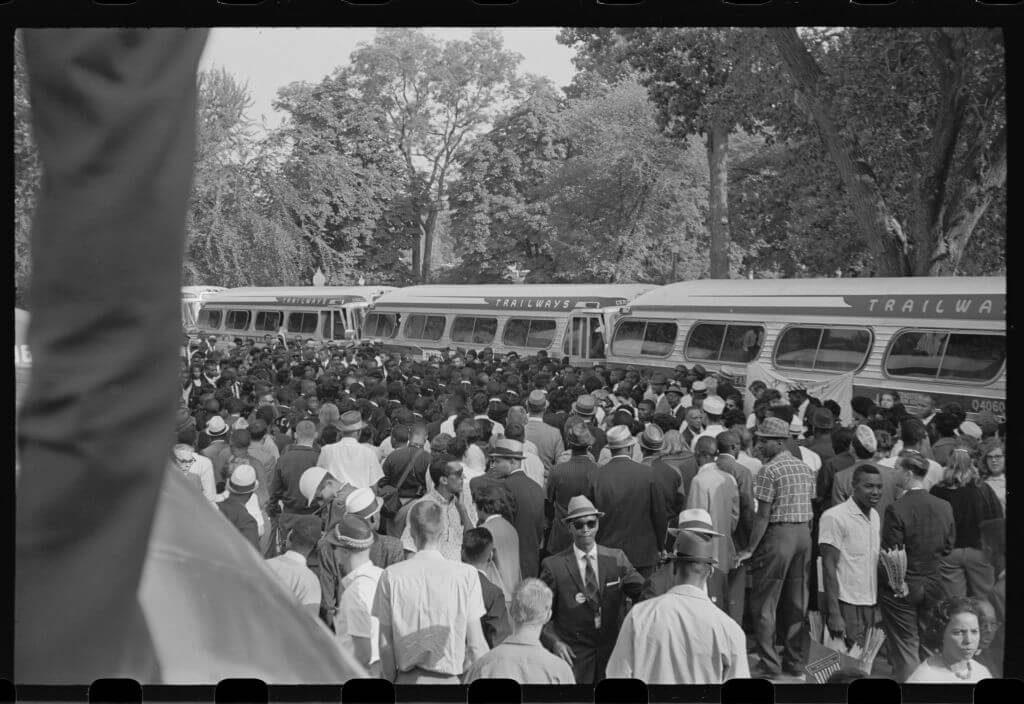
829,655
894,561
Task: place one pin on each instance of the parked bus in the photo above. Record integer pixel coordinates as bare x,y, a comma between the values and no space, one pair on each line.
568,320
943,337
192,298
307,312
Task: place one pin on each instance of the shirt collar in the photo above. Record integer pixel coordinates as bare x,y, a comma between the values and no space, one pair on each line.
855,510
294,557
363,569
521,639
428,553
690,590
708,467
348,441
580,554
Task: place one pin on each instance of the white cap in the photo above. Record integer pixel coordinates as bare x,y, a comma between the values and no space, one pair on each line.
363,502
715,405
866,437
971,429
309,482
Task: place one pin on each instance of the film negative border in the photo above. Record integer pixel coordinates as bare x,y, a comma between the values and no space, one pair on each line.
390,12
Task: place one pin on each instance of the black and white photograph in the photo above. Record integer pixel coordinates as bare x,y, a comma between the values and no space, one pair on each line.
557,354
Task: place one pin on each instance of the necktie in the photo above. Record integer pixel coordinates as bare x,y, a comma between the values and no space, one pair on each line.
591,582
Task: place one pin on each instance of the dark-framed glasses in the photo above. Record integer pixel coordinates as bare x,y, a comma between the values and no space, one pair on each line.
585,525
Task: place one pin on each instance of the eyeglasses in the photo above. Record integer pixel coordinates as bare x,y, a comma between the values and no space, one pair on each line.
187,462
585,525
458,473
996,457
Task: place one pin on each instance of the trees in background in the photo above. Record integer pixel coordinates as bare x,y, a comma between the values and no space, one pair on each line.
434,97
914,123
676,153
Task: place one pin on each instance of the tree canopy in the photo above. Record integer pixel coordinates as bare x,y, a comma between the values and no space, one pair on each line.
675,153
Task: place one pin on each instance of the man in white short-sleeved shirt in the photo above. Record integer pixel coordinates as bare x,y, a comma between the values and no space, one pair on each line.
850,539
355,628
291,568
429,610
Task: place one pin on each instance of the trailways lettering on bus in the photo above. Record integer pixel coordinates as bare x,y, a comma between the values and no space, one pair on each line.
972,307
553,303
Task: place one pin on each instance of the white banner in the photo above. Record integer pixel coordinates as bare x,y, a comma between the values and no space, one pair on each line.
838,388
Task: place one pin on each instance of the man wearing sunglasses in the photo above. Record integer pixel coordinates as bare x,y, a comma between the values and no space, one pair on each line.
590,584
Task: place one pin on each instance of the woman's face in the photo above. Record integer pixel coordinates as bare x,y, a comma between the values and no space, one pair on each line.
887,401
962,637
996,461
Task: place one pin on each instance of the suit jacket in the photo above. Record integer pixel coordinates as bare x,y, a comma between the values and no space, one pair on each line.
547,439
573,622
241,519
495,621
745,485
716,492
529,521
635,519
566,480
668,480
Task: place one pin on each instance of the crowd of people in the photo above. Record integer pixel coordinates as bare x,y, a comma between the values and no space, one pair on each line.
476,515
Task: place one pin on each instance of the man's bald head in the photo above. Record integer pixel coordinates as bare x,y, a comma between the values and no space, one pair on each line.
305,430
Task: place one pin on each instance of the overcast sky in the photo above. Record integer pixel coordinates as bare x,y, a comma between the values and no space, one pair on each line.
268,58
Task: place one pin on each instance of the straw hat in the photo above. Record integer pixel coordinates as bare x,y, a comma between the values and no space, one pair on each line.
580,507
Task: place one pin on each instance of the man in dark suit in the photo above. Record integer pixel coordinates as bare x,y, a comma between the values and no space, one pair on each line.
590,583
667,478
568,479
585,407
506,461
637,519
478,551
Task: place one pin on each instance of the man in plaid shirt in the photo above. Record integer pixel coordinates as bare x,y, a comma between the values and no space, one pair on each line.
779,551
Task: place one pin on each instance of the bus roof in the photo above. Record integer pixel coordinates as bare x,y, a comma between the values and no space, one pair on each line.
298,295
954,297
196,291
550,297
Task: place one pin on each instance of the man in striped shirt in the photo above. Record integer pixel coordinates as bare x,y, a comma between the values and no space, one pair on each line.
779,550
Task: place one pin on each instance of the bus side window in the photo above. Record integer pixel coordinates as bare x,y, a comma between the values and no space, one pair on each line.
596,339
209,318
325,324
340,325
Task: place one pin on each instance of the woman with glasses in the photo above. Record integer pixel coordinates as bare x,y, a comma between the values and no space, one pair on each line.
991,460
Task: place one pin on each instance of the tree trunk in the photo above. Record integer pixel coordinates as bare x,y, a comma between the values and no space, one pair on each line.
428,241
985,175
718,199
881,229
417,252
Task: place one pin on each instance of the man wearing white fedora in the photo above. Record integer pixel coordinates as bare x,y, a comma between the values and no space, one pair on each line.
240,487
384,551
347,459
590,583
678,638
696,521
